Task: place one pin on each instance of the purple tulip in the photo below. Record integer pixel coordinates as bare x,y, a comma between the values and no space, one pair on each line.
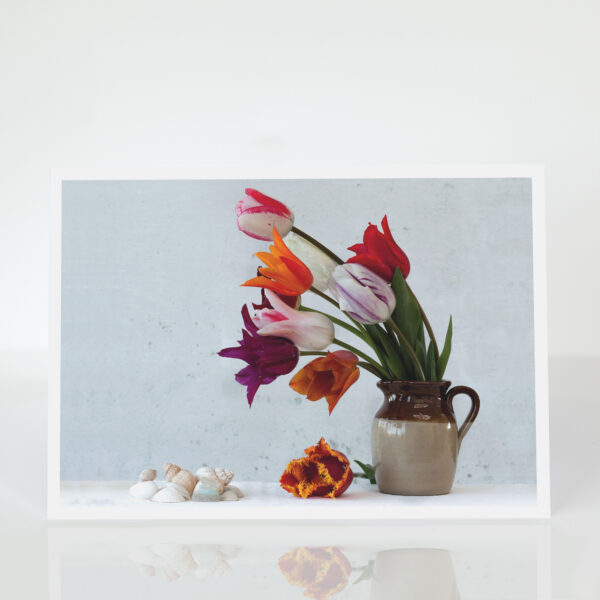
268,357
364,295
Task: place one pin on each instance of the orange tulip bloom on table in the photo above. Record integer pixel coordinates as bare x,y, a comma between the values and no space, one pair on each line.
327,377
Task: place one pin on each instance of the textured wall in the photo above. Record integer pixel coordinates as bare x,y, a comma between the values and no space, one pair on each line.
151,274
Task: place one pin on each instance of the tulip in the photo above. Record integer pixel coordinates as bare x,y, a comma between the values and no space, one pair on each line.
293,301
322,472
321,571
320,264
285,273
327,377
257,214
365,296
380,253
267,357
308,330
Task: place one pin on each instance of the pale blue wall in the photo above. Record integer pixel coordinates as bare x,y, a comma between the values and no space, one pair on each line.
150,293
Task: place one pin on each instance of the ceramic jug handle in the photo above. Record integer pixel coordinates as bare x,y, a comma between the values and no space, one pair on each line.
463,389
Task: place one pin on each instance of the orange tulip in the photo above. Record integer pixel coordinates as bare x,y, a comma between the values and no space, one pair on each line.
322,472
327,377
285,273
322,571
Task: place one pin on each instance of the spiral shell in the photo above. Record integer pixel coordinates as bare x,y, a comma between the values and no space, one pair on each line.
207,478
148,475
171,470
186,479
225,475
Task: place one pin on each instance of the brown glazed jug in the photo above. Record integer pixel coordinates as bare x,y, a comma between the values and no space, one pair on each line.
415,440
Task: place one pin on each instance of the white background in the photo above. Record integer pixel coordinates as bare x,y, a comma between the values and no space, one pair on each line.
275,82
188,83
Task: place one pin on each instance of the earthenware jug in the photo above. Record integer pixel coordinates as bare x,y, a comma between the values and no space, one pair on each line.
415,439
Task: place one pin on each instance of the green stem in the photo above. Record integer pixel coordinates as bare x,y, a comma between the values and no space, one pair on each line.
408,348
356,351
367,367
427,325
320,246
307,353
337,321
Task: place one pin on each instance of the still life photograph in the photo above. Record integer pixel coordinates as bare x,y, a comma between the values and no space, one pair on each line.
299,348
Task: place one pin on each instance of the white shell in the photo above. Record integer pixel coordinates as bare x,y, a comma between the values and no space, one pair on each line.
209,479
235,489
229,495
225,475
144,489
169,552
169,494
182,490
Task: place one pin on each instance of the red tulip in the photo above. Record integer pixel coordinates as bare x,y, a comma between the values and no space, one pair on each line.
257,214
380,253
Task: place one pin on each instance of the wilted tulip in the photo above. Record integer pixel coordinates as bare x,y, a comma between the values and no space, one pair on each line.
257,214
364,295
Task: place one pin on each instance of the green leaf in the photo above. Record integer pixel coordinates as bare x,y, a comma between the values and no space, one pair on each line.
431,370
406,314
369,471
445,354
366,572
392,360
421,353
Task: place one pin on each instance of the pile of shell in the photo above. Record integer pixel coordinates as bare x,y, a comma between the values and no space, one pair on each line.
178,560
181,485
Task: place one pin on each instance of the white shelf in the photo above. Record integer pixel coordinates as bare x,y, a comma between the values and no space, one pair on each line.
111,500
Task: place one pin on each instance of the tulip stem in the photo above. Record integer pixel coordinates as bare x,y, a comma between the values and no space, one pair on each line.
320,246
370,368
408,348
335,320
307,353
356,351
314,290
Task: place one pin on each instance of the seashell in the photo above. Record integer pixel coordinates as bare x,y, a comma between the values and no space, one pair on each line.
186,479
209,479
171,470
144,555
177,486
169,552
235,489
148,475
170,573
204,493
229,495
185,565
169,494
147,570
144,489
225,475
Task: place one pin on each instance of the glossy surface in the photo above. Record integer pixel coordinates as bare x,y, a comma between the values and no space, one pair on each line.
415,439
554,559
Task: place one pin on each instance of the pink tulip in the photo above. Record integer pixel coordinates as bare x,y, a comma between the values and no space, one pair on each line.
257,214
308,330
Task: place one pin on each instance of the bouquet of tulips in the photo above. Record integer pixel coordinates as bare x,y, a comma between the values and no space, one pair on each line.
368,290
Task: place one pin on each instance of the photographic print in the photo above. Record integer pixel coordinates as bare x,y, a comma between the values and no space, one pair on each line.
299,346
